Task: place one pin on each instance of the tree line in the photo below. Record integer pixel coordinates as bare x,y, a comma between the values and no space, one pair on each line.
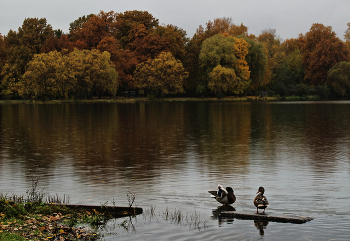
110,52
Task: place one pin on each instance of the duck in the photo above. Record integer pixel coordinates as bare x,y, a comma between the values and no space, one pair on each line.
260,201
224,196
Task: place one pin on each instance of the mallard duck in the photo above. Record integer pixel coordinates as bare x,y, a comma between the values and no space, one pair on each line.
224,196
260,201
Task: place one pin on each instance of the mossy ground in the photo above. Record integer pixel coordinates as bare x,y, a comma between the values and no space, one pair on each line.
39,221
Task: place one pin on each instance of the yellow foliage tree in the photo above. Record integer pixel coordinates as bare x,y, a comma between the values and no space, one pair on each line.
92,71
43,76
54,75
241,50
163,74
222,79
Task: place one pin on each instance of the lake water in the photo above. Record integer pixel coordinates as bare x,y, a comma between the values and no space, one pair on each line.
170,154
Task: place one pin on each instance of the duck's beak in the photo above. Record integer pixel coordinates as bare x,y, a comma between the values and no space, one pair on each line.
257,192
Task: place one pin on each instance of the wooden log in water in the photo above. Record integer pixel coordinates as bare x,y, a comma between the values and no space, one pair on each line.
116,211
265,217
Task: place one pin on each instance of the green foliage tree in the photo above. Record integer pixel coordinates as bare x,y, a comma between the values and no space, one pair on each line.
323,91
289,74
163,74
58,33
347,35
257,62
34,33
78,23
295,66
339,78
217,50
274,52
191,63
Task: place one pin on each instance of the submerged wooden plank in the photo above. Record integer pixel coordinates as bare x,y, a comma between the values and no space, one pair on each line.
265,217
117,211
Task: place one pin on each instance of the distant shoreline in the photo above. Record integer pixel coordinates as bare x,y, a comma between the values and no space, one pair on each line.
166,99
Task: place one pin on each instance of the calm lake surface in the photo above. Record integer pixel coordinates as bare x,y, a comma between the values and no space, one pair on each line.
170,154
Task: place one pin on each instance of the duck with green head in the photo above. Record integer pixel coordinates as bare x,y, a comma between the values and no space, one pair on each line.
260,201
224,196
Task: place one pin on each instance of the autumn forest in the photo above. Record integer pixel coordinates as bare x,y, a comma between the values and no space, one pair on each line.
108,53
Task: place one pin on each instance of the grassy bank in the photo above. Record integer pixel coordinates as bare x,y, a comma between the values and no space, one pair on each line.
30,218
40,221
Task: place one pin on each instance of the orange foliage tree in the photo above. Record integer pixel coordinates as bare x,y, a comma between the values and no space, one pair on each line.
125,22
328,52
58,44
176,39
290,45
321,50
94,29
124,60
131,37
146,44
225,25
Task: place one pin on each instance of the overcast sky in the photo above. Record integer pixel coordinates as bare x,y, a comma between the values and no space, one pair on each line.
289,18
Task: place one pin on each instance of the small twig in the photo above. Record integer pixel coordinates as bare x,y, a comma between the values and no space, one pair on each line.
32,194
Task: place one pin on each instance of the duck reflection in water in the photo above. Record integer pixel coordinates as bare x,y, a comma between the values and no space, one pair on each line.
261,225
220,209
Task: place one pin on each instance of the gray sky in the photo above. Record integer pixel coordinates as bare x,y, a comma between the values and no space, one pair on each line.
289,18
